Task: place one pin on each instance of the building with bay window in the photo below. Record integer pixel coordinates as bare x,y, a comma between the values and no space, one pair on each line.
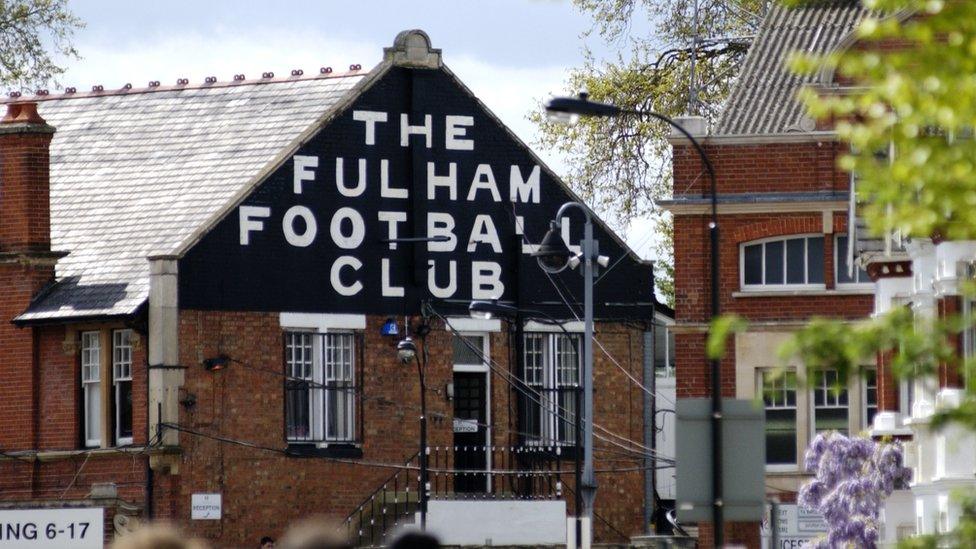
205,284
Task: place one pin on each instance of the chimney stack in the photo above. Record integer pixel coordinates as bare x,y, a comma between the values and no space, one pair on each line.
25,204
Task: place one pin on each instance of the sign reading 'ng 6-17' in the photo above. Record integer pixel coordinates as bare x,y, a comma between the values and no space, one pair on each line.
413,157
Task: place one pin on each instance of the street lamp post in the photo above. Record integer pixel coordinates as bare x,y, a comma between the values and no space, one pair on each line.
566,109
406,352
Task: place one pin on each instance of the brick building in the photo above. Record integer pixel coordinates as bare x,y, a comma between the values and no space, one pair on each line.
199,286
783,216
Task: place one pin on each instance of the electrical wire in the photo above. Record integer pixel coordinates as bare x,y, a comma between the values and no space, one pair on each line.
519,386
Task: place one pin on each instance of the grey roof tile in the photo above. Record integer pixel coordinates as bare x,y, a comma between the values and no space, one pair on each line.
763,100
136,173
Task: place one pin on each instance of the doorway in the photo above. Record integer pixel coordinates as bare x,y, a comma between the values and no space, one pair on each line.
471,431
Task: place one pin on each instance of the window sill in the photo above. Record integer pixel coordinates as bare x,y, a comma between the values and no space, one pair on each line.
783,469
303,450
803,292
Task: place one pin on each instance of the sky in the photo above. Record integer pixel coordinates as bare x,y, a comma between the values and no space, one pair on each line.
513,54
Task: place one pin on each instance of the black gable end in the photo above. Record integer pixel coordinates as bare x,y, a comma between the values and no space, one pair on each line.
415,156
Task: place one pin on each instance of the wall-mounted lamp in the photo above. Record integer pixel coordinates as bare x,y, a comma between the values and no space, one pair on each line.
406,350
216,363
390,327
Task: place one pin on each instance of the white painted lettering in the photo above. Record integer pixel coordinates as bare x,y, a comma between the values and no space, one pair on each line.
406,130
388,289
391,219
442,292
523,190
486,280
456,130
434,181
248,224
370,118
336,279
484,231
341,179
302,171
484,178
385,190
304,239
520,231
355,237
441,224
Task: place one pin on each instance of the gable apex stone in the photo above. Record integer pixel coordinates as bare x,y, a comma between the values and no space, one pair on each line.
411,48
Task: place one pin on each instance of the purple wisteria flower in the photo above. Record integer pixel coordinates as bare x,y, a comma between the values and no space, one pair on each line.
852,477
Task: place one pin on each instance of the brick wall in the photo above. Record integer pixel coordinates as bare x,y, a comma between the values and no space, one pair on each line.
264,491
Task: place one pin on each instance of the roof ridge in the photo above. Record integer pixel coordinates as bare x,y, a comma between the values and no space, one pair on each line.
297,75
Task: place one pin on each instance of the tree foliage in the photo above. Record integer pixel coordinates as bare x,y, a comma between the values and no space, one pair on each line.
622,165
35,38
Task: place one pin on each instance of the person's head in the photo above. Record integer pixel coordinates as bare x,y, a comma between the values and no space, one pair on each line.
314,533
157,536
267,542
415,540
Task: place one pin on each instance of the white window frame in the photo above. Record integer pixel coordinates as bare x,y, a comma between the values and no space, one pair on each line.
91,387
784,286
860,285
325,369
865,422
121,372
483,365
797,415
551,413
817,384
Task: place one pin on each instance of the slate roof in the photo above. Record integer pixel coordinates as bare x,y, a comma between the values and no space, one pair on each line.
135,172
763,100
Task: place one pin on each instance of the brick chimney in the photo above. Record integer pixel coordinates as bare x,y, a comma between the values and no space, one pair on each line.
25,205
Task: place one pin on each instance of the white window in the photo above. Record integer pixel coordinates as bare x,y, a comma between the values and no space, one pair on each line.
793,262
469,352
122,384
91,357
779,399
869,397
320,388
830,403
551,370
842,272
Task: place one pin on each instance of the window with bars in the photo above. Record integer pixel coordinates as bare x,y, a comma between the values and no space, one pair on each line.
779,400
782,262
122,384
320,387
91,360
551,372
830,403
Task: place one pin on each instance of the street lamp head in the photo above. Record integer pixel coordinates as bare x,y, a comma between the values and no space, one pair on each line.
569,109
488,309
406,350
553,254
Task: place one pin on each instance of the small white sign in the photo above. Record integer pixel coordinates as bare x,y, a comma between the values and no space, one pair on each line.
52,528
796,527
205,507
465,425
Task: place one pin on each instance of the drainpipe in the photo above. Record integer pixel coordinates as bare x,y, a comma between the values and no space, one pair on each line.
650,429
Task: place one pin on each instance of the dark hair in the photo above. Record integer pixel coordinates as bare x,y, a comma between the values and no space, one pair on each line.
416,540
267,539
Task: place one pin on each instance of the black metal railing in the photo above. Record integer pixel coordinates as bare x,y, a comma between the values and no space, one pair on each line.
391,505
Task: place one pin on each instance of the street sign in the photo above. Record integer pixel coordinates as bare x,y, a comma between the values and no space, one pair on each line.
743,460
796,526
79,528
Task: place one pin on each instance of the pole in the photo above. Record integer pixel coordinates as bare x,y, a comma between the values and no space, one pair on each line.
589,479
650,428
578,473
423,448
718,521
